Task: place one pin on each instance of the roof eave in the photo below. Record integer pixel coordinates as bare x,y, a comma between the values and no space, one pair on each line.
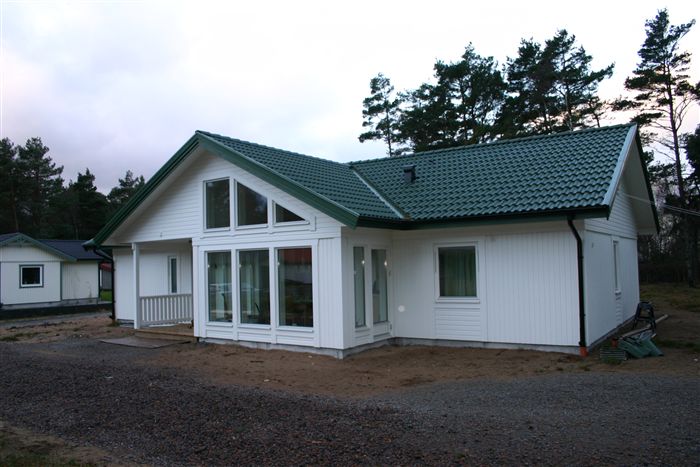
505,218
40,245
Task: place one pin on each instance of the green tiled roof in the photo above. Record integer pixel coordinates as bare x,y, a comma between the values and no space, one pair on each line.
571,173
332,180
558,172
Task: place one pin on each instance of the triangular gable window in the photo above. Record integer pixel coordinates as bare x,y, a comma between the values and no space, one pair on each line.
283,214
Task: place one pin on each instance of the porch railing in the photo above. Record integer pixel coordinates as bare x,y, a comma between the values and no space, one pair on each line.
166,309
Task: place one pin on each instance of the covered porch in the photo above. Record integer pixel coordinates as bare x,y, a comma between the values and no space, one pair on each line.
162,283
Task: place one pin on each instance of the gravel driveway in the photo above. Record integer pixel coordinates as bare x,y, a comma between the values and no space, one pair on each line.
99,394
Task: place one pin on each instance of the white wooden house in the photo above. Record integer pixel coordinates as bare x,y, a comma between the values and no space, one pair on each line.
46,272
522,243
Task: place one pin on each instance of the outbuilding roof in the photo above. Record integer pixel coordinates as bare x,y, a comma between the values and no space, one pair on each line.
563,174
70,250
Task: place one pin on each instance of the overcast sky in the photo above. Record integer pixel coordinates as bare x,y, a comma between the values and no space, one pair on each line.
117,85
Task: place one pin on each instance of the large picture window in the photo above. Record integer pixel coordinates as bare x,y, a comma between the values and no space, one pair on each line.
457,271
358,253
295,287
31,275
219,286
254,286
251,206
217,204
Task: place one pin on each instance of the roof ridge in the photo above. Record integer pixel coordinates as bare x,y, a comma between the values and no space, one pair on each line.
493,143
286,151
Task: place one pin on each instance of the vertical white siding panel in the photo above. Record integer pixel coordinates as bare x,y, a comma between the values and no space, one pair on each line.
330,293
80,280
532,289
123,284
600,284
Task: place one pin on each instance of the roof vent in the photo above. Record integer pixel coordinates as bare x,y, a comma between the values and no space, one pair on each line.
409,173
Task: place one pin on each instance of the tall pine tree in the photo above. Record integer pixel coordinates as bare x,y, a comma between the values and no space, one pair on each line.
381,114
662,96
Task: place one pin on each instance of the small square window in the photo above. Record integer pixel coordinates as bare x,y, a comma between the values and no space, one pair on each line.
31,276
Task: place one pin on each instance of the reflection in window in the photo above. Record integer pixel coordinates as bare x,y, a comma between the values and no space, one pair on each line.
254,286
295,287
457,271
219,286
380,302
251,206
217,205
285,215
31,276
358,253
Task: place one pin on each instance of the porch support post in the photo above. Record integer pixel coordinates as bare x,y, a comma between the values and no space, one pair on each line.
137,292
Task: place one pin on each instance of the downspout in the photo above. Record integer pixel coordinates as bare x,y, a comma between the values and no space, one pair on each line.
583,348
110,260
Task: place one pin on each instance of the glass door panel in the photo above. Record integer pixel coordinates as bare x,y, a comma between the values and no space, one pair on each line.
380,301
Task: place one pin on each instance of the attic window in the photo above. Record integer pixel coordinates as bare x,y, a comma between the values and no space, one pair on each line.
283,214
252,206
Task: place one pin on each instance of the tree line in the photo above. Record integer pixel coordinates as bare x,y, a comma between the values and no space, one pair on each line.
35,199
551,87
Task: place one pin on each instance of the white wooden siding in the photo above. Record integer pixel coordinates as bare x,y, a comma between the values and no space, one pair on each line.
123,284
621,221
601,300
526,280
80,280
176,210
532,288
11,257
330,306
11,293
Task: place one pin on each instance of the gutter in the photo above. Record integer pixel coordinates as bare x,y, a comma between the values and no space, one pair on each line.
583,348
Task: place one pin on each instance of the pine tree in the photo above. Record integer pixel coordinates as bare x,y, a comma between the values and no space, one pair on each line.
39,182
88,207
663,95
381,114
9,220
119,195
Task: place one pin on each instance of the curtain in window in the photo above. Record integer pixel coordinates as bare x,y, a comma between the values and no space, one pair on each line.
457,271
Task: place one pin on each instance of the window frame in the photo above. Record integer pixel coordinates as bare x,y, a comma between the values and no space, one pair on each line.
436,259
237,225
364,324
277,223
617,277
170,274
238,319
204,205
41,276
314,289
234,278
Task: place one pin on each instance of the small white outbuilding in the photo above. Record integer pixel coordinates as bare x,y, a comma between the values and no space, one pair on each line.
528,242
37,273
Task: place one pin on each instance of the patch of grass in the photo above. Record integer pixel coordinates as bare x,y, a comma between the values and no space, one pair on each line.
678,344
672,294
18,336
14,453
106,295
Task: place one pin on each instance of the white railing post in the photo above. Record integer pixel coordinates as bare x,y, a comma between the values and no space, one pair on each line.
137,293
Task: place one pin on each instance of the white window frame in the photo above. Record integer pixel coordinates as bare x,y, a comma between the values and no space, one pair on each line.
271,270
41,276
314,288
231,211
235,208
436,270
275,223
170,274
617,277
365,263
234,278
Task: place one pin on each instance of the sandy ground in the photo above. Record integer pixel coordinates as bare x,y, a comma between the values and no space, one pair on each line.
379,370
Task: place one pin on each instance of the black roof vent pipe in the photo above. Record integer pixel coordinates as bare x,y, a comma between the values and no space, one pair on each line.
409,173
